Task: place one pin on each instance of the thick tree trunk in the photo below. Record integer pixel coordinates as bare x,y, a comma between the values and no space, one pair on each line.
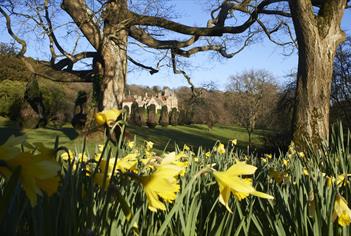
114,57
114,53
318,37
311,116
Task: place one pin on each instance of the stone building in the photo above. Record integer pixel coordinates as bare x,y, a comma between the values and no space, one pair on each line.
166,97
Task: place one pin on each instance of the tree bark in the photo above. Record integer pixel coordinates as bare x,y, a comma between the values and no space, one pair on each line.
114,72
318,37
114,53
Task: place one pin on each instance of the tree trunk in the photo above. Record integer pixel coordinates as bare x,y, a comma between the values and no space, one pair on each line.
114,57
318,38
114,53
314,77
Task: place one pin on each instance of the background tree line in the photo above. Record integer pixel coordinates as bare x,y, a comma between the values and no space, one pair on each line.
252,99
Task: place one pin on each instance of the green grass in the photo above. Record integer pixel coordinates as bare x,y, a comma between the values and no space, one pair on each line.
68,136
192,135
195,136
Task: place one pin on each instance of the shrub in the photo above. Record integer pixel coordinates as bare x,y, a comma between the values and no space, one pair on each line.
12,68
11,97
151,116
188,119
56,104
182,117
173,117
133,113
143,115
164,119
210,120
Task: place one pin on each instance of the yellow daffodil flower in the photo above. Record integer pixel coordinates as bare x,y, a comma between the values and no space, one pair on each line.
305,171
342,180
107,117
131,144
181,155
66,156
105,173
208,154
128,163
268,156
291,149
330,181
220,149
161,185
82,157
100,147
149,145
186,148
173,159
234,142
341,211
229,181
278,176
38,172
301,155
285,162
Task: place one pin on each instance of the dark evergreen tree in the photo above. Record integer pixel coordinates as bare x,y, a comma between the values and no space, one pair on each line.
151,116
133,113
34,97
173,117
164,118
143,115
181,117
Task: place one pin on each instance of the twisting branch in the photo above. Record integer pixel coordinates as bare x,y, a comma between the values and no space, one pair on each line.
12,34
178,71
85,19
151,69
51,34
145,38
221,49
75,58
269,32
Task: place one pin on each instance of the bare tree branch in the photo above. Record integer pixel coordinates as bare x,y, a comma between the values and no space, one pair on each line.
178,71
145,38
51,34
85,19
269,33
69,62
151,69
12,34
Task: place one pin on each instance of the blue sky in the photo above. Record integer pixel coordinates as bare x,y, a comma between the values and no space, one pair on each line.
261,55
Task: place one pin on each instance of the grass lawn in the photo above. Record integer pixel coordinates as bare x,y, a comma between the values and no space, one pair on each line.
195,136
192,135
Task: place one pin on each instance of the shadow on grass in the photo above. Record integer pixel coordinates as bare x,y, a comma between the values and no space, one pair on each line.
7,129
160,136
69,132
194,136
